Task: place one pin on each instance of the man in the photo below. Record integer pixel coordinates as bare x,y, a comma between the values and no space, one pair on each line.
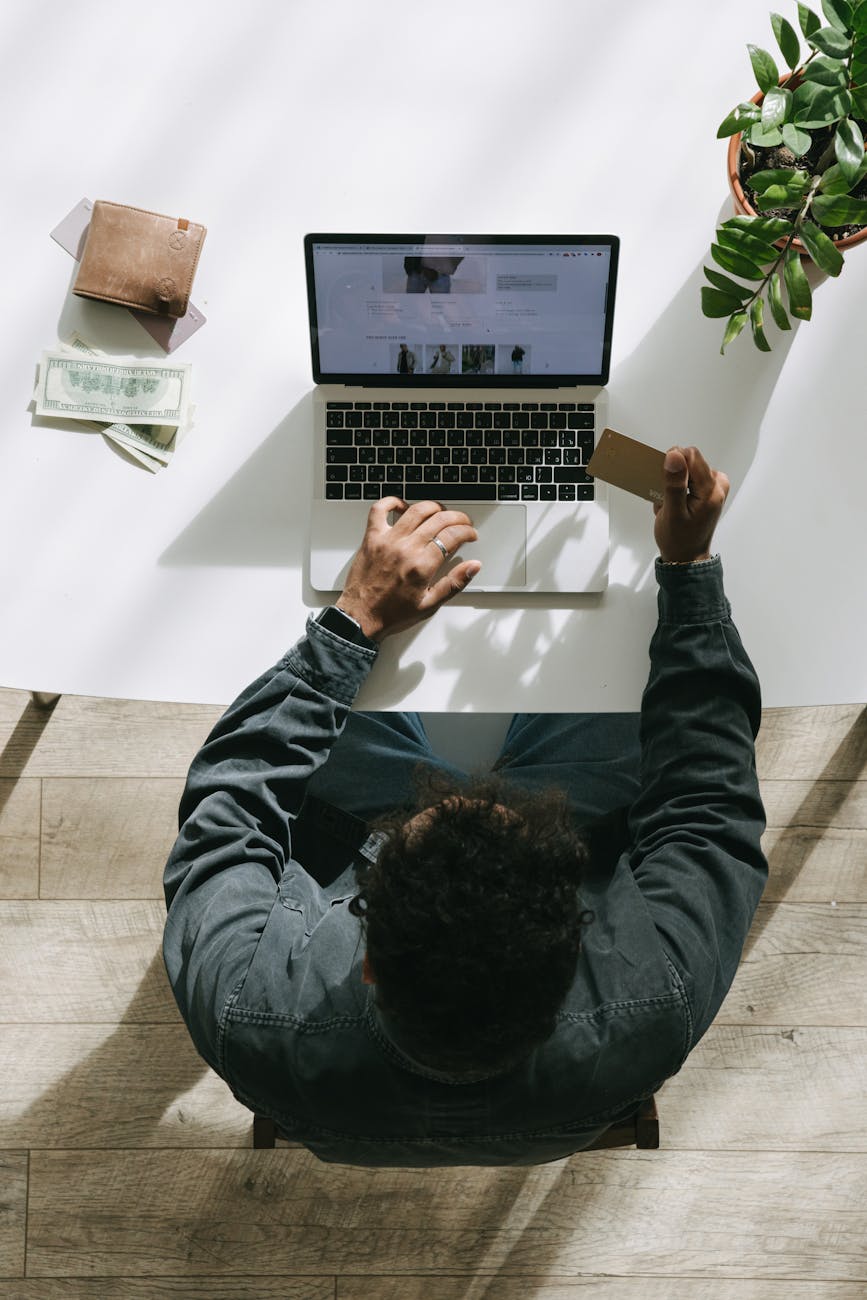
405,360
443,360
500,970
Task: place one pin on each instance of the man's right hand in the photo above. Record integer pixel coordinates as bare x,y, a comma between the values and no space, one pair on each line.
694,497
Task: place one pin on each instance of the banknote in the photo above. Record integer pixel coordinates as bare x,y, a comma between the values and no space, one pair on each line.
94,388
152,445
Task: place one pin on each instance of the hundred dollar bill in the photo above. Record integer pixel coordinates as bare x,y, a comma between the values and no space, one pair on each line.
93,388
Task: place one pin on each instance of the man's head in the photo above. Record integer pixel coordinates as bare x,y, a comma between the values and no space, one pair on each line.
472,920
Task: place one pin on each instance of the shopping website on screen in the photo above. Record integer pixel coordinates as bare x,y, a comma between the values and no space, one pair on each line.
422,310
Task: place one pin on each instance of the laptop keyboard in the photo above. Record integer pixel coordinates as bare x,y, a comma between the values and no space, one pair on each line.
459,451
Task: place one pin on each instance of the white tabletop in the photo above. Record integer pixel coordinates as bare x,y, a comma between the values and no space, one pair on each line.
276,117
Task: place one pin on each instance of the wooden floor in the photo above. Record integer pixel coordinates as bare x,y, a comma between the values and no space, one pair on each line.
126,1168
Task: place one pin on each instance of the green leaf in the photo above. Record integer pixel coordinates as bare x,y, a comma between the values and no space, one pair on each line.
838,13
859,100
765,139
809,21
859,19
738,118
832,42
714,303
764,67
735,263
787,39
756,313
814,105
827,72
849,148
827,257
761,181
771,228
834,182
800,297
838,210
748,245
775,298
733,329
796,140
775,107
727,286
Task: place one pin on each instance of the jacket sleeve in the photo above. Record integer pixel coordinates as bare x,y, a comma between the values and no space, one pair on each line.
244,790
696,825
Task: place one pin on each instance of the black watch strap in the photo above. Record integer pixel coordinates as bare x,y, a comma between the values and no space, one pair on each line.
341,624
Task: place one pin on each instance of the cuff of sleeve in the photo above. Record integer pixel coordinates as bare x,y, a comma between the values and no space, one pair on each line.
329,663
692,593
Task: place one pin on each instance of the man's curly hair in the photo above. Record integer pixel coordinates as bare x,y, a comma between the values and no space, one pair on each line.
473,920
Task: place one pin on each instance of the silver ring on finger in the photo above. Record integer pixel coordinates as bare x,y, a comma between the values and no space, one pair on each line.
436,541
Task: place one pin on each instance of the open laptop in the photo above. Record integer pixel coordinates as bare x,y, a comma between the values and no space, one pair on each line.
466,369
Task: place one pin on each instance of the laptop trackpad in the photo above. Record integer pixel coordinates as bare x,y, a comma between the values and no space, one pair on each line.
338,526
502,544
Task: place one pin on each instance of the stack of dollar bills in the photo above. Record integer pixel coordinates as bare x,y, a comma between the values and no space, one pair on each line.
143,407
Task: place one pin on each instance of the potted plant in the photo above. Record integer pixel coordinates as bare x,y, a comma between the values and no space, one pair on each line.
797,169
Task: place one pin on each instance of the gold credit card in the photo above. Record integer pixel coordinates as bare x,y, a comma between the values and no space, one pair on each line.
628,464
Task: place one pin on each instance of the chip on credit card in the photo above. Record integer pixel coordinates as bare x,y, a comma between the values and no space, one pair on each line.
628,464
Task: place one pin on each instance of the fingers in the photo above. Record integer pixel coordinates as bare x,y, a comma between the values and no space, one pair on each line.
377,517
414,515
453,538
449,585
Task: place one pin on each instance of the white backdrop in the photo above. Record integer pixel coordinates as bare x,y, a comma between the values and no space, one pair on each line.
270,119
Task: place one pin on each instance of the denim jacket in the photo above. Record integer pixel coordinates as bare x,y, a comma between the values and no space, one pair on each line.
266,965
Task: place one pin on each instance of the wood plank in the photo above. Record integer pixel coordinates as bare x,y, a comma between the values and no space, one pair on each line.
803,964
816,864
588,1287
711,1215
769,1088
107,837
19,838
89,962
88,736
818,803
812,742
13,1212
113,1086
190,1288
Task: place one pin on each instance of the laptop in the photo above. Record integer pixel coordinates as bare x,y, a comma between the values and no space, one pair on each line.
470,370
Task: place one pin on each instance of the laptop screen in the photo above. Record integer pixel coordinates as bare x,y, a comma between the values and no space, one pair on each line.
461,310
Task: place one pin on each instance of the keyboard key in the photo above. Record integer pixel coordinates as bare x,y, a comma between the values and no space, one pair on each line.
566,492
370,491
363,437
557,420
334,419
529,492
464,420
539,420
478,456
494,438
357,474
403,456
372,420
333,491
487,474
376,473
431,474
571,474
455,438
474,438
442,455
544,474
506,474
547,406
455,406
393,488
336,473
521,420
341,456
446,420
553,456
361,406
451,473
422,456
460,455
502,420
567,438
454,492
418,437
338,406
400,406
469,474
508,491
410,420
578,421
497,456
548,437
399,437
585,406
427,420
512,438
390,420
413,473
385,455
484,420
436,437
525,474
493,406
381,437
584,492
418,406
382,406
511,406
436,406
352,492
367,455
572,456
515,456
585,442
547,492
338,438
354,419
529,406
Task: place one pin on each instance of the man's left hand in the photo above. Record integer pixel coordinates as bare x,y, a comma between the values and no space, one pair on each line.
392,582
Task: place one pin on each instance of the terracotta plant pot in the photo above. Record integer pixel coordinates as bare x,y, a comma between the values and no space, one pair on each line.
742,206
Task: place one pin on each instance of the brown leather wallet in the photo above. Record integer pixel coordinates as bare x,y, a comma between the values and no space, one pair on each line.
139,259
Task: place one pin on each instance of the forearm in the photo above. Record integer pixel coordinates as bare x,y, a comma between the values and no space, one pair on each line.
247,783
697,823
